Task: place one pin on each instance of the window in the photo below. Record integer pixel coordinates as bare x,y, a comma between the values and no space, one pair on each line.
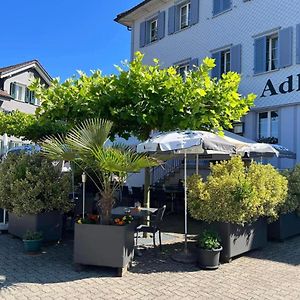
272,53
220,6
29,96
268,125
153,30
183,69
17,91
225,61
185,12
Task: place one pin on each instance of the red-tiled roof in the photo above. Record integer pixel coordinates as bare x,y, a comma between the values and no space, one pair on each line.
4,94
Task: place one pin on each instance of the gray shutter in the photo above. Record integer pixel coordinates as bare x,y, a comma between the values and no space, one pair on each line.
147,34
298,44
226,4
236,58
13,90
171,20
194,12
177,18
193,64
216,71
161,21
142,34
27,95
260,54
285,42
216,7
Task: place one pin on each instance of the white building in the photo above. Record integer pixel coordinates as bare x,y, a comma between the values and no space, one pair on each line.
260,39
15,95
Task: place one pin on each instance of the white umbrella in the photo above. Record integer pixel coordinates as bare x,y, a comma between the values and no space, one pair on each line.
187,142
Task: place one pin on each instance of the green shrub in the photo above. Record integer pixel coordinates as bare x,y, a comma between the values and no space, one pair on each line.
32,235
236,194
292,202
209,240
30,184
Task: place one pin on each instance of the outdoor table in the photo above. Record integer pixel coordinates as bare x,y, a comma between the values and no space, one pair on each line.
143,212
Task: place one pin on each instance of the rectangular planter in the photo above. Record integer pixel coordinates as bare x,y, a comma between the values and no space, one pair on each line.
286,226
104,245
49,223
237,239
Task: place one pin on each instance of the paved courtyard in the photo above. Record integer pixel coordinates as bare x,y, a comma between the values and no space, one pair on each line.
272,273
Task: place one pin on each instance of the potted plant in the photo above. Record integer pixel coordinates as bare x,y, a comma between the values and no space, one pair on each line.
32,241
288,222
235,201
209,248
104,243
35,193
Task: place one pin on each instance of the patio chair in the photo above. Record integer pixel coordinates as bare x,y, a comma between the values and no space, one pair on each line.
153,227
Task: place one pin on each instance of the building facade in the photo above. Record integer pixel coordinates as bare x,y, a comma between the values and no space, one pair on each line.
15,95
260,39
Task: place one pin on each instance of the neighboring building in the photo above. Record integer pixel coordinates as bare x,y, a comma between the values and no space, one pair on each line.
260,39
14,92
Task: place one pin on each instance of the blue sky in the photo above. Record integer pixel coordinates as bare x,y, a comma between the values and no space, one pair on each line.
64,35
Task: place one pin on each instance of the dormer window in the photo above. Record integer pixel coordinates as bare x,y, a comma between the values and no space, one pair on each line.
185,12
153,30
17,91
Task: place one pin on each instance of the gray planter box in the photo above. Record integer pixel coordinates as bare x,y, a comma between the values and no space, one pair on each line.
286,226
49,223
104,245
237,239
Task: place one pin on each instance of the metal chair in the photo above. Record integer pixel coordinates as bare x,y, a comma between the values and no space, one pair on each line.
154,226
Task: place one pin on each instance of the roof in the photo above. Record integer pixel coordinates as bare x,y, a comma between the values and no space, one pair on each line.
4,94
120,17
4,71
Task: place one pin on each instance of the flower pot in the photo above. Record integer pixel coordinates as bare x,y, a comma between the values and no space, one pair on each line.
104,245
49,223
286,226
238,239
209,259
32,246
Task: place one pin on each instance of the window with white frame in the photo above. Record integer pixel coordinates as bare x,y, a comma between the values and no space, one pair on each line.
185,12
183,69
19,92
268,125
153,30
272,52
225,61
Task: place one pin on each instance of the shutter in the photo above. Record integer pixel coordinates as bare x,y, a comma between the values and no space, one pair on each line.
13,90
142,34
193,64
177,18
260,55
236,59
171,20
226,5
285,43
216,71
194,12
217,7
161,20
298,44
27,95
147,33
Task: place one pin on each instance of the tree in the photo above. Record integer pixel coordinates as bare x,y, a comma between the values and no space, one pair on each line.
139,99
107,167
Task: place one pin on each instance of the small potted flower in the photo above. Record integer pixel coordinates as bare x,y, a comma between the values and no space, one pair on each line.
32,241
127,219
209,250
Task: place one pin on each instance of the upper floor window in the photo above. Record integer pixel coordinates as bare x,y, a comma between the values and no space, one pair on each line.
185,12
272,53
17,91
153,30
220,6
183,69
268,125
225,61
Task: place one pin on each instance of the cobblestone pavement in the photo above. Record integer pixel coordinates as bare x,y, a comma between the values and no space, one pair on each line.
272,273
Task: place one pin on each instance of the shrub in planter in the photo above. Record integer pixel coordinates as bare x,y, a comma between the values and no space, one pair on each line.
233,198
288,222
34,192
209,250
32,241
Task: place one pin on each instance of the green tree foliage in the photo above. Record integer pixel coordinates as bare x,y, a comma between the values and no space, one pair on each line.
141,98
236,194
30,184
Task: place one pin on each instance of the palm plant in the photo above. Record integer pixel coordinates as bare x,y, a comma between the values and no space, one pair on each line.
107,167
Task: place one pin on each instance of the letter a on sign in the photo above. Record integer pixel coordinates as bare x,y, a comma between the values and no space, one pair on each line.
269,88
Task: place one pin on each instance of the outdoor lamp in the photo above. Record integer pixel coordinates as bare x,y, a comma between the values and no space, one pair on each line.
83,177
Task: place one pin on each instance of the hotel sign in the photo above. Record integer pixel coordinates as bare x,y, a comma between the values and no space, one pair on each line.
285,87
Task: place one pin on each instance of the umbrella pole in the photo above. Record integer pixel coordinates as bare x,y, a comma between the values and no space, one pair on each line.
185,206
197,164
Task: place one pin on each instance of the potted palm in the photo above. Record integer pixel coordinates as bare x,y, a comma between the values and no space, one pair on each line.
32,241
236,201
209,248
103,243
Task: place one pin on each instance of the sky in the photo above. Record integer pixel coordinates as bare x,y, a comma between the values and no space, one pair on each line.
64,35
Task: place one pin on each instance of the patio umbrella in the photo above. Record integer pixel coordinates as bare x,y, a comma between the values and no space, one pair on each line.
186,142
